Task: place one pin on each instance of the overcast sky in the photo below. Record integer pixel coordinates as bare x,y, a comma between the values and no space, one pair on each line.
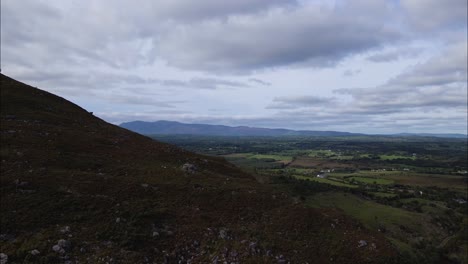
365,66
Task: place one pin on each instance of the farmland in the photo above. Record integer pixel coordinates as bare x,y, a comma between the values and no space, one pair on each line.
414,191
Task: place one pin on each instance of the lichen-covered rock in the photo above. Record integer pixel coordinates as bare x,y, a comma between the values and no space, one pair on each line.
3,258
189,168
65,244
362,243
58,249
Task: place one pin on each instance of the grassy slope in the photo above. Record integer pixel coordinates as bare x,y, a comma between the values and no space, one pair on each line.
125,197
401,226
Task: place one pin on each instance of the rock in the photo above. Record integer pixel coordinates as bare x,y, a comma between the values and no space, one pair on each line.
189,168
223,234
280,259
234,253
65,229
58,249
3,258
362,243
35,252
144,185
117,220
155,234
65,244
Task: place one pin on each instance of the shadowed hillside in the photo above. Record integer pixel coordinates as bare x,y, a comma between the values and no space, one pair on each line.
75,188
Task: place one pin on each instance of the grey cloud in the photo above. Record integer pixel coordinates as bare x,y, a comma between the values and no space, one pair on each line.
117,33
187,10
448,67
351,72
137,100
394,55
258,81
204,83
275,38
430,15
293,102
209,83
161,114
233,37
439,83
73,82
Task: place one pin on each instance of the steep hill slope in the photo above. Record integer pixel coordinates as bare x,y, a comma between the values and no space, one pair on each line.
75,188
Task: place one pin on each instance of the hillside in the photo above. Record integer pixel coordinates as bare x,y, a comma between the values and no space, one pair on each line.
75,189
177,128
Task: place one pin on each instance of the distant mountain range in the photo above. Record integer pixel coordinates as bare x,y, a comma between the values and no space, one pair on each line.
176,128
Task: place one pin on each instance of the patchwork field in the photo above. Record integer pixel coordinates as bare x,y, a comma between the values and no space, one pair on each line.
412,192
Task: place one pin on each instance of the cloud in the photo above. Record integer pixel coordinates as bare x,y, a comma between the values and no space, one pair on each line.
258,81
293,102
202,83
448,67
394,55
277,37
351,72
431,15
438,83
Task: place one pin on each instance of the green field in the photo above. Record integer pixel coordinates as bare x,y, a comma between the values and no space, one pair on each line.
396,222
328,181
367,180
383,195
394,157
376,181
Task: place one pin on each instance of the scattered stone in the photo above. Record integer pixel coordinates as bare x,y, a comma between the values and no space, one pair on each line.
65,229
117,220
362,243
65,244
223,234
280,259
3,258
189,168
144,185
58,249
155,234
35,252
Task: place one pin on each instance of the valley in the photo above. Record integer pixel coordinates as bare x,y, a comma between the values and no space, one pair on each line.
413,190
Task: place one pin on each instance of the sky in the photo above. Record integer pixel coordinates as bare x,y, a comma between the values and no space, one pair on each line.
367,66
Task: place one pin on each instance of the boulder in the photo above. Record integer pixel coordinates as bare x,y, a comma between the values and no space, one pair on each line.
3,258
362,243
189,168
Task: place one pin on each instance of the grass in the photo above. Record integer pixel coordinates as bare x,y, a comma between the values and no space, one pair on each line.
264,157
328,181
398,223
383,194
285,159
321,153
367,180
393,157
